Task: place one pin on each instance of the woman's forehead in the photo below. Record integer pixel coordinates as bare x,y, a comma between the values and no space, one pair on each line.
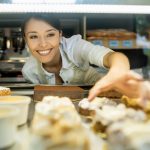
36,24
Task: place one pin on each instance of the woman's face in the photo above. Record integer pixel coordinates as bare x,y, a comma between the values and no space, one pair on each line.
43,40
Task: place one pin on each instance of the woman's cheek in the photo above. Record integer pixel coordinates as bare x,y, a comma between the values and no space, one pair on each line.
32,45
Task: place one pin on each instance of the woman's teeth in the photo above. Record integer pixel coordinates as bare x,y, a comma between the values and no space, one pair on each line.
44,52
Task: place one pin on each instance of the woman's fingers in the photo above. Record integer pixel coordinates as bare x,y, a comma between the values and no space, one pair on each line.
93,93
101,86
133,76
128,84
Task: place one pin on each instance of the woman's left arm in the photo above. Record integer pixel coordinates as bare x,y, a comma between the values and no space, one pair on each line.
118,65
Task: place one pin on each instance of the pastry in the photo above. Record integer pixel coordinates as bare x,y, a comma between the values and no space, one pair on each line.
57,123
129,135
134,102
87,108
111,114
4,91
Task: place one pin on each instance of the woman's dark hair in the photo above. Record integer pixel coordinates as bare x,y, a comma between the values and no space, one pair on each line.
53,21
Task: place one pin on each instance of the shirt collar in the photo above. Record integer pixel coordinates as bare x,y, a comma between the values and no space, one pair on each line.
46,72
66,63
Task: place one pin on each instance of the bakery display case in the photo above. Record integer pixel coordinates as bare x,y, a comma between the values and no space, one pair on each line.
67,120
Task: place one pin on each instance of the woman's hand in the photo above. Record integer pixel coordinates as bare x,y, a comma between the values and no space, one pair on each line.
145,93
127,83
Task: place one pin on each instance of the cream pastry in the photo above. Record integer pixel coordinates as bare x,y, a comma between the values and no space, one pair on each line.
57,122
129,135
110,114
87,108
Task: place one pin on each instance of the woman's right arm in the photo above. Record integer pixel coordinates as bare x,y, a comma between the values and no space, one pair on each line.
130,84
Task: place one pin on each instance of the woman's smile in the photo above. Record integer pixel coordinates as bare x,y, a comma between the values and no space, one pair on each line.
44,52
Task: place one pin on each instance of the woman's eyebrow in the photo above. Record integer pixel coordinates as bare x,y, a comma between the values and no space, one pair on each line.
46,31
31,32
50,30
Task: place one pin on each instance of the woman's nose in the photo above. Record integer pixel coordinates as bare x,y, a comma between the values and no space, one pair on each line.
43,42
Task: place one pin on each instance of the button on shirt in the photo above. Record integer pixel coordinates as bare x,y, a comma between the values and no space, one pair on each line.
77,55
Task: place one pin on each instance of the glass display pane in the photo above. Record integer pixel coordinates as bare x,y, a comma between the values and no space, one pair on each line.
122,2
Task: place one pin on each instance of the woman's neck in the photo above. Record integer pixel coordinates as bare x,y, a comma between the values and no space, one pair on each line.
53,68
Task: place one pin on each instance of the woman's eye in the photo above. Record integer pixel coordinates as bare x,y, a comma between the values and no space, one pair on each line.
33,37
50,34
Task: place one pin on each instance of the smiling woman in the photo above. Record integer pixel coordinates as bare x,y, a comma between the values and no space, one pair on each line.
56,59
43,40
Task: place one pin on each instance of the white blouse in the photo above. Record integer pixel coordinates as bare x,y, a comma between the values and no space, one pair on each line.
77,55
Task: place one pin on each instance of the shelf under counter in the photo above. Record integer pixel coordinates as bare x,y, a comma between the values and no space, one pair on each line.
8,80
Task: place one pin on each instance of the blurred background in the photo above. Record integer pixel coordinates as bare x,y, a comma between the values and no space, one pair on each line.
122,25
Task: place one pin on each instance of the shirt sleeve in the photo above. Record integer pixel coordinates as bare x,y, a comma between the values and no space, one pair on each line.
85,51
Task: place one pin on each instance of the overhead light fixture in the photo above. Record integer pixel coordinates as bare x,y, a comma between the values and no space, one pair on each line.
43,1
75,8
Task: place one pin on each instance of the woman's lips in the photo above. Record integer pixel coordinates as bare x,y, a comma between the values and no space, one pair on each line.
44,52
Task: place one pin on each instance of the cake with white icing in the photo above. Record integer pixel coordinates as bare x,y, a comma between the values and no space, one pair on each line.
57,123
108,115
87,108
129,135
